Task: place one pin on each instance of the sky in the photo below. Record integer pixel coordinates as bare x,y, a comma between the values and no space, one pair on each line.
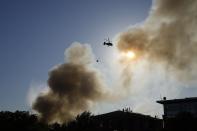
35,33
36,47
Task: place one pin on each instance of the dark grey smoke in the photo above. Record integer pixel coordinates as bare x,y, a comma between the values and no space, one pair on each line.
73,87
168,37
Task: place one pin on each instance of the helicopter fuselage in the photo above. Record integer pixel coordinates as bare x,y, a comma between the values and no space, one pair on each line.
108,44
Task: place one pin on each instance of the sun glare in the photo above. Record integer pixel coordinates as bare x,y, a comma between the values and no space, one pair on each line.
130,54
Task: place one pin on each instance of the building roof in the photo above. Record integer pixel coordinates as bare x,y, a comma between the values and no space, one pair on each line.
121,115
191,99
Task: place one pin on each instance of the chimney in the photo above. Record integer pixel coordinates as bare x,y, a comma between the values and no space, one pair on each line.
164,98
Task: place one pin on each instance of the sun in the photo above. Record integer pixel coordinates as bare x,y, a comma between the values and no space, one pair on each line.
130,54
127,56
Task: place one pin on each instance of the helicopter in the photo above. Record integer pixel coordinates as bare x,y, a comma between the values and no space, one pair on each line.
107,42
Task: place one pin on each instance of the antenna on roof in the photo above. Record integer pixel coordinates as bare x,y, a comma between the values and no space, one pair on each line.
160,96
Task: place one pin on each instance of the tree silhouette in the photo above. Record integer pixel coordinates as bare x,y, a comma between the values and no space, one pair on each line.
20,120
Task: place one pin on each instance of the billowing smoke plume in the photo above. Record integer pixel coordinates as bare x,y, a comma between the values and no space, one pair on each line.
73,87
168,37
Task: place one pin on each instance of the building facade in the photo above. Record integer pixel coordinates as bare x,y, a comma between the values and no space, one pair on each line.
176,106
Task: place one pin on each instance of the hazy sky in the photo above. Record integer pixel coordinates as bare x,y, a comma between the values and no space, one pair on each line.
35,33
